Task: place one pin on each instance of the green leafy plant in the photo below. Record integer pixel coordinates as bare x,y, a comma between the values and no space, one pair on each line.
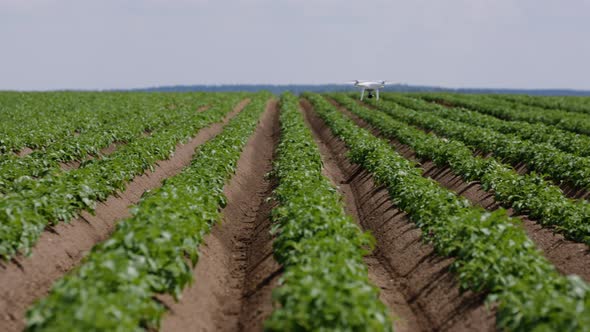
509,110
577,104
541,157
325,286
528,193
108,118
564,140
492,253
153,251
25,212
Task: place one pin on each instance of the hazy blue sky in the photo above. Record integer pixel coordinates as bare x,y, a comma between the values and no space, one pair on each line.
50,44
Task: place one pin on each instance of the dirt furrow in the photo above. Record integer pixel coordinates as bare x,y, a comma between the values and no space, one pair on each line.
236,271
573,192
569,257
203,108
111,148
25,152
75,164
415,282
61,247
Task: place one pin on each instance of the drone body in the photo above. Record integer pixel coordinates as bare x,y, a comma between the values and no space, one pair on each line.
370,87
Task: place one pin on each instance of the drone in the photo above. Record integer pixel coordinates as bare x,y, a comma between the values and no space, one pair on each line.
370,87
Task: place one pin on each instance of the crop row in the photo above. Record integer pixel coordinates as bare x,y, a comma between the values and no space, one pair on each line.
492,253
25,212
153,251
540,157
536,132
569,103
325,286
38,119
528,194
504,109
131,121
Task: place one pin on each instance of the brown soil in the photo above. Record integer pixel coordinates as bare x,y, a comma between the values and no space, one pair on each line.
111,148
203,108
236,271
25,152
70,165
25,279
415,282
573,192
569,257
521,168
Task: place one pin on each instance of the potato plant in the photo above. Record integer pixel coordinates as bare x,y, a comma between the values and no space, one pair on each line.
153,251
325,285
492,252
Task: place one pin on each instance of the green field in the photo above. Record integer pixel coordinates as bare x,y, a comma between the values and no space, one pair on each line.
417,212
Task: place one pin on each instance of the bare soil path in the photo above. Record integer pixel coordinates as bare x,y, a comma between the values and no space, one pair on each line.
236,271
61,247
415,282
25,152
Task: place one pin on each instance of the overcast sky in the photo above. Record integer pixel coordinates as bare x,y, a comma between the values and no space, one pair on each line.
82,44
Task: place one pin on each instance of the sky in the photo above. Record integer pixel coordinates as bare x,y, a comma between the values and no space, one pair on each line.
114,44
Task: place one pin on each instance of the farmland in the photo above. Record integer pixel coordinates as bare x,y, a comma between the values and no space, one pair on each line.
131,211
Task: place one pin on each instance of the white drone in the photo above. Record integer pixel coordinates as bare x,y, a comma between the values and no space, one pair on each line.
370,87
